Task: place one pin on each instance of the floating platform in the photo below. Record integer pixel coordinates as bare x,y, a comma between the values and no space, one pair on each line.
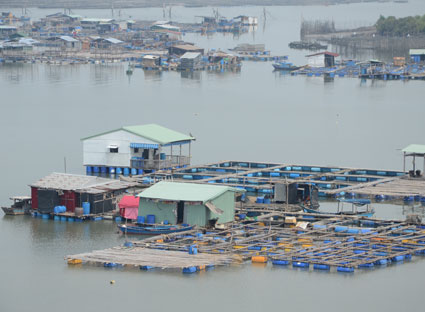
337,244
259,178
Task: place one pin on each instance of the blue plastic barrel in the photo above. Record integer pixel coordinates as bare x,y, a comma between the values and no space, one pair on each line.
260,200
119,170
126,171
166,222
88,169
104,169
150,219
141,219
189,270
45,216
140,171
267,201
86,208
112,170
280,262
323,267
133,171
96,169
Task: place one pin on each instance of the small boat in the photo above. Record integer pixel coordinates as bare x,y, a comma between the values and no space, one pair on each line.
153,229
21,205
285,66
355,203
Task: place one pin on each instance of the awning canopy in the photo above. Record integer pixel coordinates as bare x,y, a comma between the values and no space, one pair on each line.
414,150
129,202
144,145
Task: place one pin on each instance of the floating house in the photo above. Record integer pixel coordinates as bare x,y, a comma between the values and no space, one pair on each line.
190,61
247,20
6,31
322,59
151,61
188,203
135,149
106,43
66,42
70,190
415,151
129,207
417,55
181,49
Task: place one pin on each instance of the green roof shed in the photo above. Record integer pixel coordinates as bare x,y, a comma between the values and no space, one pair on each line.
189,203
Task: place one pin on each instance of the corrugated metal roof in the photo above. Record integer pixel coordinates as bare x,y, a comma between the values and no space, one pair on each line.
414,149
417,52
324,53
190,55
152,132
80,183
68,38
187,47
191,192
113,40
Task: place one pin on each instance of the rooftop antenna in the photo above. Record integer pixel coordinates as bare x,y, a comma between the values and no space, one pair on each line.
169,12
163,10
112,8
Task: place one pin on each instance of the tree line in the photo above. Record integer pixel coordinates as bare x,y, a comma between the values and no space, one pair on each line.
405,26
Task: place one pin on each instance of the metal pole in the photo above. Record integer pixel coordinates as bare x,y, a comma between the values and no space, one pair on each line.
180,157
190,153
64,163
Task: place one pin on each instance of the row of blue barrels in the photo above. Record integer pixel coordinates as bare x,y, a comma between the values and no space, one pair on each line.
149,219
186,270
416,198
113,170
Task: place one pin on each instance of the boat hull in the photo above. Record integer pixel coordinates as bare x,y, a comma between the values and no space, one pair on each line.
151,230
13,211
367,214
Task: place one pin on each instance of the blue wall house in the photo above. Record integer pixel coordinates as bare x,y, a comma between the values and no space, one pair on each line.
417,55
136,149
189,203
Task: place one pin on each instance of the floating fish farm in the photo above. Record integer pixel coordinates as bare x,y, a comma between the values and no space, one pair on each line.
268,179
305,241
366,71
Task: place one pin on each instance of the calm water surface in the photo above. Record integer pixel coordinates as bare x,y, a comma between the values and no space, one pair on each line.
252,115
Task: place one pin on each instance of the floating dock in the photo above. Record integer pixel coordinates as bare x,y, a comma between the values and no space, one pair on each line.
308,241
259,178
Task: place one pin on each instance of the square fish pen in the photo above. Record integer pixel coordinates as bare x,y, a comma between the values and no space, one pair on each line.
320,242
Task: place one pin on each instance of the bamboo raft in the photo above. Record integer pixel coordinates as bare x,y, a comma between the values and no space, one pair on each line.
323,242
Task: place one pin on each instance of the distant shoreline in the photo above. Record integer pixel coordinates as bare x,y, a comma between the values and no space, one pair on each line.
133,4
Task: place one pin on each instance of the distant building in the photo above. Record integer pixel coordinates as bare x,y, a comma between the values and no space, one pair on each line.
322,59
100,25
106,43
247,20
136,149
181,49
66,43
6,31
70,190
417,55
189,203
151,61
190,61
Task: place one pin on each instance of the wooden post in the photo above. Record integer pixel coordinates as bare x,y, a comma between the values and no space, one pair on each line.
171,156
180,157
190,153
414,163
404,162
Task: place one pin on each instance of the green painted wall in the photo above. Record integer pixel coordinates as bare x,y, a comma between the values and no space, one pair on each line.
193,214
160,210
225,202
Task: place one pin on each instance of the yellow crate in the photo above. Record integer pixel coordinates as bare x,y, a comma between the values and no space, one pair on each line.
75,261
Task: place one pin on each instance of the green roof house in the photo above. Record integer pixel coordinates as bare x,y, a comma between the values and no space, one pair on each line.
135,149
189,203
